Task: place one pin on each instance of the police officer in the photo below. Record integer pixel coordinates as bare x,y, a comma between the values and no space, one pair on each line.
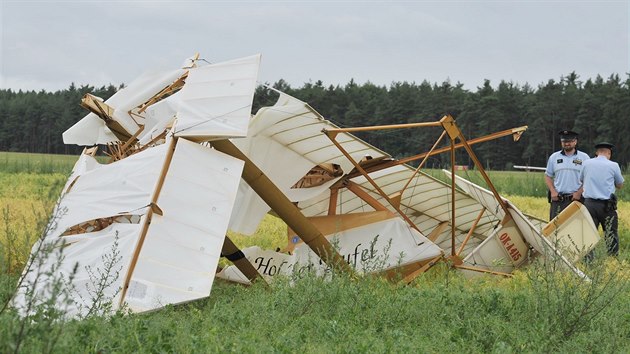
562,175
601,176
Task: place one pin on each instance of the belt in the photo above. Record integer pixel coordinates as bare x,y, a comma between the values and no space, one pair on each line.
597,200
563,197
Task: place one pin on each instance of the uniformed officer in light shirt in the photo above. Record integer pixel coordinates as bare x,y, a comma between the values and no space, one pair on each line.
601,178
562,175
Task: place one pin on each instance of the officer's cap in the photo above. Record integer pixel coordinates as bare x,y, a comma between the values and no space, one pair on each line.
604,145
568,135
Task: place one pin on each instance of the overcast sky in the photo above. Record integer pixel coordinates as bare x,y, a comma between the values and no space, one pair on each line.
49,44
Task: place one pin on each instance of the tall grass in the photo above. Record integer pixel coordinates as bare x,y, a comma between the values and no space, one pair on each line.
18,162
345,315
26,199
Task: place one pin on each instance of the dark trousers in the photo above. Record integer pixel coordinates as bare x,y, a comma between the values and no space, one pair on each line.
604,214
558,206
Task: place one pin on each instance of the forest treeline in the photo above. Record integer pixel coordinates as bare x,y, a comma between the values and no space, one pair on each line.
598,109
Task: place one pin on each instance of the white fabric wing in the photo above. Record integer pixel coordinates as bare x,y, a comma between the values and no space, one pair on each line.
182,248
217,99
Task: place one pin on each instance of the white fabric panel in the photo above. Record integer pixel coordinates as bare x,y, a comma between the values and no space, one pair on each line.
217,99
99,191
86,252
489,255
248,211
484,196
576,235
539,242
157,117
298,127
504,250
121,187
270,118
378,246
138,92
182,248
366,248
84,164
273,159
91,130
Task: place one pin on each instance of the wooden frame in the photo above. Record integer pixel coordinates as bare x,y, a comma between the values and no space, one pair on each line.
454,133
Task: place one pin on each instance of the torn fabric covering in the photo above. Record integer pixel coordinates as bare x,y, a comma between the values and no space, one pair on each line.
92,130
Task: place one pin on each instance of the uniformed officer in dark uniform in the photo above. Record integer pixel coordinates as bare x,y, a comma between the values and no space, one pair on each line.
600,178
562,175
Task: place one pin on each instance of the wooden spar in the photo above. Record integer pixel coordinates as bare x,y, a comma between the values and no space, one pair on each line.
236,256
334,132
359,192
448,123
435,233
160,136
397,274
470,232
147,220
516,132
285,209
122,149
370,180
332,201
396,198
168,90
106,113
452,198
413,275
132,139
481,270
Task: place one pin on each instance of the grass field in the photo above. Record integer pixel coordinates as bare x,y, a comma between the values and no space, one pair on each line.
15,162
537,310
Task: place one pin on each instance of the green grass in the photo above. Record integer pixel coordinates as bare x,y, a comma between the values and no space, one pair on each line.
345,315
16,162
535,311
